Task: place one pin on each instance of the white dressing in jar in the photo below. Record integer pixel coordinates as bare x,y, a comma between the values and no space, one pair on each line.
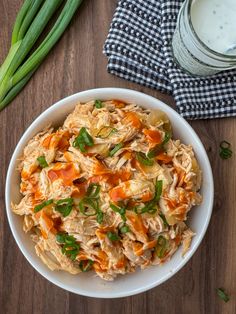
214,22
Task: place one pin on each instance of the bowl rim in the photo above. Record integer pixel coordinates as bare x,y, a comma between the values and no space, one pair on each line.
19,147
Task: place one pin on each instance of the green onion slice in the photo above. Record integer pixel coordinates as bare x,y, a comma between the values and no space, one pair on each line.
42,162
106,131
158,190
143,159
120,210
64,206
98,104
112,236
86,265
151,206
124,229
159,148
88,207
70,247
115,149
161,247
225,150
164,219
37,208
71,250
83,139
64,238
100,217
222,294
115,208
93,190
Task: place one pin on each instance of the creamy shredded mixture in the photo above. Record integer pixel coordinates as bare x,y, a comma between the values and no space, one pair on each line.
109,191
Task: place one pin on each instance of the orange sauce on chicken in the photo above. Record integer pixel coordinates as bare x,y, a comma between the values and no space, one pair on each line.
163,157
137,222
118,193
153,136
68,173
133,119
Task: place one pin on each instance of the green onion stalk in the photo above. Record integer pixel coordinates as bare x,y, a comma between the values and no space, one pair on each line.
20,65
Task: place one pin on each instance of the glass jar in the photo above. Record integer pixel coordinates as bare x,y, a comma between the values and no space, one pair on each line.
189,51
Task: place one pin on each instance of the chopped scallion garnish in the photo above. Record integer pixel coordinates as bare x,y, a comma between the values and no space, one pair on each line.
42,161
83,139
89,205
225,150
106,131
86,265
115,149
112,236
64,206
143,159
164,219
37,208
98,104
222,294
159,148
124,229
120,210
161,247
70,247
100,217
151,206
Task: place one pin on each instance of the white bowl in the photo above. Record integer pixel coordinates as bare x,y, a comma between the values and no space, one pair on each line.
87,283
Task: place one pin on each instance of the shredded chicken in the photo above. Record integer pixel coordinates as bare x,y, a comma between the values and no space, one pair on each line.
109,191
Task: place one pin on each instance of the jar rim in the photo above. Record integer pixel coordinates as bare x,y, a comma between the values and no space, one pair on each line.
218,54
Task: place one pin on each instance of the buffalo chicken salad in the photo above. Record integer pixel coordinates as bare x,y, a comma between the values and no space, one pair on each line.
108,191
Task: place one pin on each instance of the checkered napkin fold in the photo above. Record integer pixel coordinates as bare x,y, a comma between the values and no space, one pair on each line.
138,49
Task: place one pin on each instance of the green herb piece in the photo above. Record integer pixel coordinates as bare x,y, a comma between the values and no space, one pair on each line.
42,162
159,148
64,238
83,139
158,190
86,265
151,206
115,149
106,131
143,159
71,250
161,247
120,210
124,229
64,206
225,150
164,219
115,208
100,217
37,208
93,190
222,294
70,247
112,236
98,104
89,205
21,62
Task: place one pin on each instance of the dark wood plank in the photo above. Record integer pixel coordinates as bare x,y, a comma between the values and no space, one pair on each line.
77,63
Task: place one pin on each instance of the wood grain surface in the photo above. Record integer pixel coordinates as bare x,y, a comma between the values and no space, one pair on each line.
76,64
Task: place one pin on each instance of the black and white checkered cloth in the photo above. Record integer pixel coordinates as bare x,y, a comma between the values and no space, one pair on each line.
138,49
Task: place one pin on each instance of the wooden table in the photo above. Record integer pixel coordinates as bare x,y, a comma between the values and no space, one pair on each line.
76,64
